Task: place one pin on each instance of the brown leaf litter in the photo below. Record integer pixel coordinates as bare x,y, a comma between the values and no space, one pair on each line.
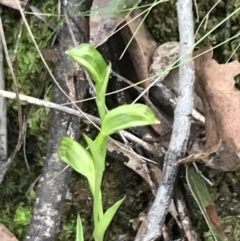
215,85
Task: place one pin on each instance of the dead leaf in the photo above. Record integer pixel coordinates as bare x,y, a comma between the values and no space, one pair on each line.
50,54
137,221
151,177
204,199
5,234
142,46
215,86
214,219
106,16
171,80
199,156
141,50
165,55
102,28
226,158
14,4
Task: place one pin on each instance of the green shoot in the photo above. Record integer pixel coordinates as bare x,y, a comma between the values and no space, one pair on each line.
91,164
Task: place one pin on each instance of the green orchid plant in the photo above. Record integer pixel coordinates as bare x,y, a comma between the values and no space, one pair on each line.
91,164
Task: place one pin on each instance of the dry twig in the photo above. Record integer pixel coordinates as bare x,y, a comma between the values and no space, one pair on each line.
3,120
87,117
181,125
15,86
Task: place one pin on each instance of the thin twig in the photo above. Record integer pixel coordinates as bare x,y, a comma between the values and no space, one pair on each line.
87,117
24,143
48,104
184,216
165,125
195,114
15,49
181,125
42,58
15,87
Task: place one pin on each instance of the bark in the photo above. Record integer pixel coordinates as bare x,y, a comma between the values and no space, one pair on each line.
184,216
181,125
3,120
53,185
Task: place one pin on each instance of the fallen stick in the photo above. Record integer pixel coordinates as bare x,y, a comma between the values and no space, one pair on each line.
181,125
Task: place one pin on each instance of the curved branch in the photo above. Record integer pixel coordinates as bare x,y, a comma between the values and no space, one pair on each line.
181,125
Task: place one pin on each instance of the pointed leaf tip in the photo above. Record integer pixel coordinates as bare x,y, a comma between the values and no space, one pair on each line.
127,116
78,158
90,59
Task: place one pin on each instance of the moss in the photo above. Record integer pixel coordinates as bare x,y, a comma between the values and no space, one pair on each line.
119,180
162,24
30,72
32,80
17,198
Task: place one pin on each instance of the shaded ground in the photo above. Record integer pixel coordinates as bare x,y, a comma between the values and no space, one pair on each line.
17,199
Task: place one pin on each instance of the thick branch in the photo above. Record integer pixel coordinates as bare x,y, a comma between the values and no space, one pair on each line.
181,125
53,184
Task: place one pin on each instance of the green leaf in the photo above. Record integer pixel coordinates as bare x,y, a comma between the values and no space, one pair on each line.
98,153
22,216
78,158
203,198
91,60
127,116
103,224
79,230
101,93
